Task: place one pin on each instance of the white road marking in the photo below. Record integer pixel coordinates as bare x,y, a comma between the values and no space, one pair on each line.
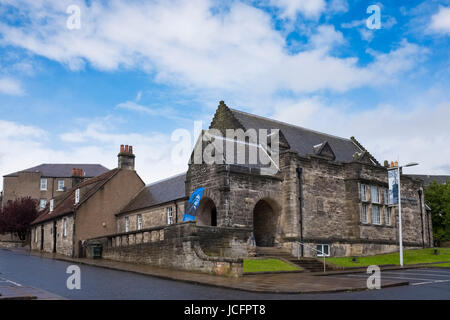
420,283
12,282
417,273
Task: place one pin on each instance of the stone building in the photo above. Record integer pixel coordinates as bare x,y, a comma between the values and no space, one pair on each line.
328,195
87,210
47,181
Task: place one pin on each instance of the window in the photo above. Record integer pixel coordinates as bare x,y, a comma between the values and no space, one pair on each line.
169,215
36,234
363,192
43,184
77,196
386,196
139,222
60,185
375,214
374,196
364,213
52,202
323,250
64,227
42,203
127,224
387,216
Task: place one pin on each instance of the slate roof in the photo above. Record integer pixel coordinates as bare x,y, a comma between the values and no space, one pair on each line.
300,139
156,193
63,170
67,204
427,179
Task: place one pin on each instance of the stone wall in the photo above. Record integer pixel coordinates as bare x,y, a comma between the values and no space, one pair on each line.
176,246
64,243
151,217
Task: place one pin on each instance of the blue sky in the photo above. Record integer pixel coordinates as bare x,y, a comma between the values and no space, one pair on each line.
135,71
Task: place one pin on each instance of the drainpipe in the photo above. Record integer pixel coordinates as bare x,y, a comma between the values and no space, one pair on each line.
421,218
300,213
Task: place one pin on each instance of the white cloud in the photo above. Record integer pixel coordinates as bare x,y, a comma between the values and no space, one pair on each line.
337,6
440,22
418,133
308,8
10,86
186,44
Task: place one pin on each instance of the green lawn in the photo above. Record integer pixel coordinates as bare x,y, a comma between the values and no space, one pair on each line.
263,265
409,257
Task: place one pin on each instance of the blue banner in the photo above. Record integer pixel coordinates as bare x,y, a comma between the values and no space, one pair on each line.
193,204
393,186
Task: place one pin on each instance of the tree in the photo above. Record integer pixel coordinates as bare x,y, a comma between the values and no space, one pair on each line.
16,216
437,196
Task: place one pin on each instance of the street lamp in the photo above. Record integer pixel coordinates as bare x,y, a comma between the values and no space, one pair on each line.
400,236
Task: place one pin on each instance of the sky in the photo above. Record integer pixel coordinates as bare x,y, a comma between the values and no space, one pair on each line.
79,78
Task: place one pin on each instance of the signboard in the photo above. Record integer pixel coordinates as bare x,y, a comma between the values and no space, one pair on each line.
192,205
393,186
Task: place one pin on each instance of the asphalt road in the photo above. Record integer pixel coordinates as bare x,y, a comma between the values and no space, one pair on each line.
99,283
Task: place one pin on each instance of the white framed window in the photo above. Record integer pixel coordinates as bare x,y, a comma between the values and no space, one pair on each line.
60,185
376,215
386,196
42,203
364,213
52,204
43,184
169,215
139,222
323,250
387,216
77,195
64,227
127,224
374,195
363,192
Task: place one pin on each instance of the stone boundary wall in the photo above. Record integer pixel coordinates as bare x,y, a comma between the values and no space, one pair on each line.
177,246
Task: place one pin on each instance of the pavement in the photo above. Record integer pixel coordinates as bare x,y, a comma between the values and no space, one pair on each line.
265,283
11,290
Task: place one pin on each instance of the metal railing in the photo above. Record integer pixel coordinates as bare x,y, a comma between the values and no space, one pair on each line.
319,251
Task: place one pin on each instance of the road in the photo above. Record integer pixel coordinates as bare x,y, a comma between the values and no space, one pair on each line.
99,283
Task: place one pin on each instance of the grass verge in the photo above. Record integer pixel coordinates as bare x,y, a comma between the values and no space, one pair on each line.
265,265
409,257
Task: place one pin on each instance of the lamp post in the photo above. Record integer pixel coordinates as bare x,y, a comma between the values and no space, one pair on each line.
400,235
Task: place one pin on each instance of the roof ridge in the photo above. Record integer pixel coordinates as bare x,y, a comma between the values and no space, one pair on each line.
165,179
288,124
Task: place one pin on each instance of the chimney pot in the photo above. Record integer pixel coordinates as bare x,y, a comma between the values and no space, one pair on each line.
126,148
130,149
122,148
392,164
396,163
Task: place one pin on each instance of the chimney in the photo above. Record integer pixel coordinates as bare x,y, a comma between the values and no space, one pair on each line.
77,176
126,157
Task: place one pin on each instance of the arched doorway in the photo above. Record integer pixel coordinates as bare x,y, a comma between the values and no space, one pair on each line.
264,224
206,213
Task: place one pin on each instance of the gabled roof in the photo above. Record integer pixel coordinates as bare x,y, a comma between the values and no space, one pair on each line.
67,204
63,170
157,193
300,139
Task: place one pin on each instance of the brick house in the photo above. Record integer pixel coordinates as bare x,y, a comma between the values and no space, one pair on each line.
47,181
87,210
329,193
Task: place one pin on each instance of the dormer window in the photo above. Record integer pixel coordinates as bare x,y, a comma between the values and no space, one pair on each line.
77,195
51,205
